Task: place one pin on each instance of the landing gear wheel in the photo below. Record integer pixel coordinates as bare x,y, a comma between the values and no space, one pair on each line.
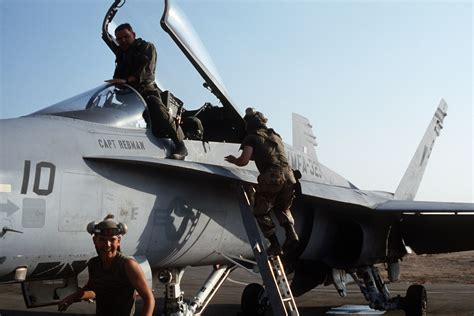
416,301
253,300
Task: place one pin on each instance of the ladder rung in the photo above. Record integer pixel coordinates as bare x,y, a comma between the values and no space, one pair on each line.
272,271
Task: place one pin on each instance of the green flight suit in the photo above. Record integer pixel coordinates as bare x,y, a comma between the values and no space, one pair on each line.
139,60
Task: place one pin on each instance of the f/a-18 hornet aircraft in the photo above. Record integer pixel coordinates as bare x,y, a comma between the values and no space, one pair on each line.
102,158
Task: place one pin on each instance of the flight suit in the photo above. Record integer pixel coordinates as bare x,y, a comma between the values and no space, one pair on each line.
140,61
276,182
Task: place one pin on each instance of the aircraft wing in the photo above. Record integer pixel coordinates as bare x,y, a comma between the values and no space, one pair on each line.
434,227
380,203
424,207
426,227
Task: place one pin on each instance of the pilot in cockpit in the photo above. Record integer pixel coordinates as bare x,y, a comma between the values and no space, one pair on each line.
135,65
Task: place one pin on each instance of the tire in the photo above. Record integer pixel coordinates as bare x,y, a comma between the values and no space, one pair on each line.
416,301
252,302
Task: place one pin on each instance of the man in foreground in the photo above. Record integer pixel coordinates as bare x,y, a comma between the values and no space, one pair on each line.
113,277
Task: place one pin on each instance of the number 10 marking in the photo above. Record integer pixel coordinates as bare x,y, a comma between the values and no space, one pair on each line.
36,185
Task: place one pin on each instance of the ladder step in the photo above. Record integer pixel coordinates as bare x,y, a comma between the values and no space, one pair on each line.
271,268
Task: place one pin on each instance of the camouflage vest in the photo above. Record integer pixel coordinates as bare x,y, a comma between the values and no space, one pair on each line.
268,149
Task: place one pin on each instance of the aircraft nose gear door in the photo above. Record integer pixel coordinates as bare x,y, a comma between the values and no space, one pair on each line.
271,268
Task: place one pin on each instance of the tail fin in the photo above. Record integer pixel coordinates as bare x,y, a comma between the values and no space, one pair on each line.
411,179
303,137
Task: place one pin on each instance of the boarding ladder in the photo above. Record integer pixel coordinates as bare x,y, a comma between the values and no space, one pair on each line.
271,267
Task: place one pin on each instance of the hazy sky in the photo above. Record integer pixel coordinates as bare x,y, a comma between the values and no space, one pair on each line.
367,74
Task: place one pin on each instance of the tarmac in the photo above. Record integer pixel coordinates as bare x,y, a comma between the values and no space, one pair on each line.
455,298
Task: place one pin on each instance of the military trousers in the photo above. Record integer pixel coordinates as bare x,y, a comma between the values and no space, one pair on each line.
162,123
275,191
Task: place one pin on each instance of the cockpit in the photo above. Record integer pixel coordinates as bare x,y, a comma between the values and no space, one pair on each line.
122,106
112,105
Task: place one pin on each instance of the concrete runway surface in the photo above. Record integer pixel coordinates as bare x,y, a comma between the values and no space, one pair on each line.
443,298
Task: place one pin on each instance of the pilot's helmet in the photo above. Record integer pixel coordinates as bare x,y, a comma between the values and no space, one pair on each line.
254,119
107,228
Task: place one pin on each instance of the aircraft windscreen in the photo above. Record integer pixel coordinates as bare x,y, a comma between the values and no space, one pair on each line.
113,105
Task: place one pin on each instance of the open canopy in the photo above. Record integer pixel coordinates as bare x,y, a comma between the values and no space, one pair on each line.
220,123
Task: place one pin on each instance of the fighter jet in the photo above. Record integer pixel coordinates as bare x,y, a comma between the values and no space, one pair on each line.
93,154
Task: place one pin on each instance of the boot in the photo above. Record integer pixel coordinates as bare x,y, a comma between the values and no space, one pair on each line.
274,249
180,151
291,240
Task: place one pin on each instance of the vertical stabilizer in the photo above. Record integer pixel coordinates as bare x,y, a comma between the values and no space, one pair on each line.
303,137
411,179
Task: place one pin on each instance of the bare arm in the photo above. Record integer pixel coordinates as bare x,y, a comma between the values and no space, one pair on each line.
81,295
137,278
244,158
